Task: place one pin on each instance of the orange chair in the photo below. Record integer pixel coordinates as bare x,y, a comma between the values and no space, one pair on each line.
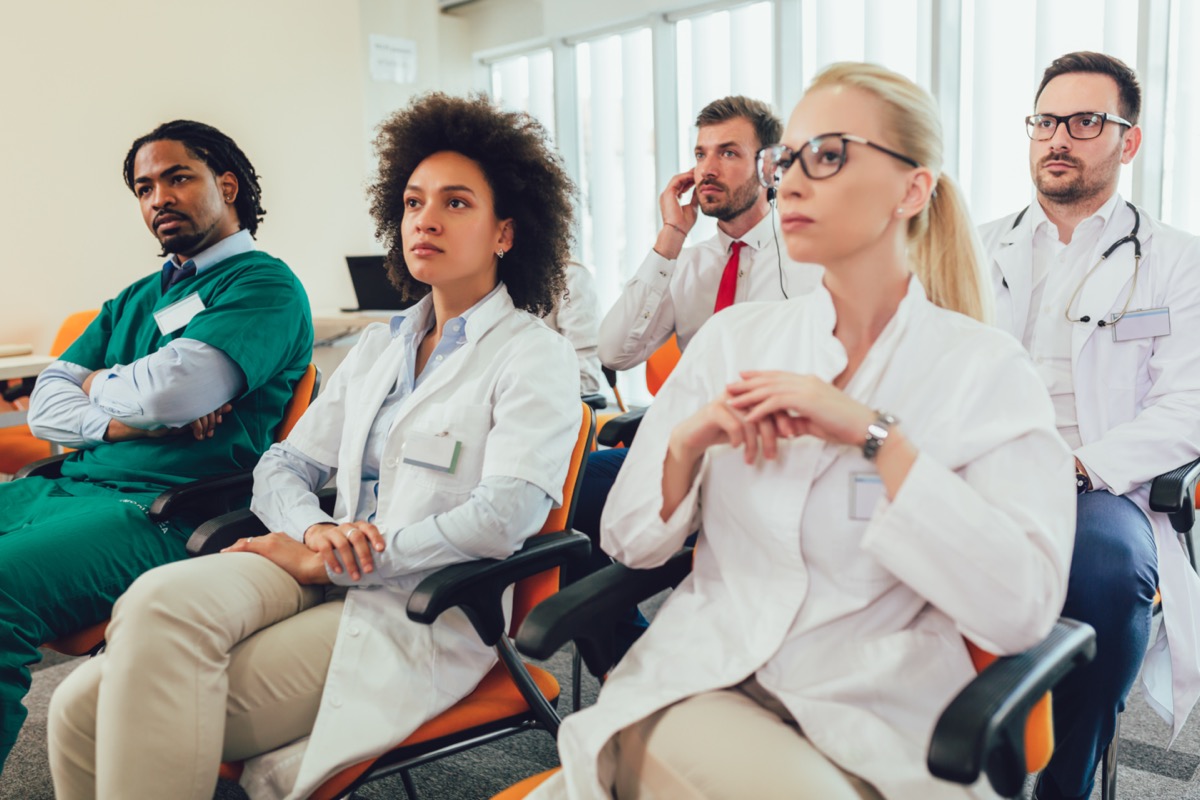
999,723
224,489
18,446
514,696
619,429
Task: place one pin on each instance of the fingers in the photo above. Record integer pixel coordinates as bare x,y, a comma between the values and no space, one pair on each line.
361,547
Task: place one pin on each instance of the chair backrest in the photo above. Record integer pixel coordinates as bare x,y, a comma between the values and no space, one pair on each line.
660,364
70,330
531,591
303,393
1039,727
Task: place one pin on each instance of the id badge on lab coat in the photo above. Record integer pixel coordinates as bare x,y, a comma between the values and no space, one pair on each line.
866,489
1142,324
179,313
435,451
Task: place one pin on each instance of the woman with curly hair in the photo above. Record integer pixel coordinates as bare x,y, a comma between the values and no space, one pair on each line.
449,431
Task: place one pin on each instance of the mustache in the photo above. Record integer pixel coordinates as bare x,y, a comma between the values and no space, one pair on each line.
1063,157
169,214
714,182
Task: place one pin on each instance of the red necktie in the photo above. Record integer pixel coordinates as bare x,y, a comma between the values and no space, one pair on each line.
728,287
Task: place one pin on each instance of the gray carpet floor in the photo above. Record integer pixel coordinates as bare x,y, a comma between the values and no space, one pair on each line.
1148,771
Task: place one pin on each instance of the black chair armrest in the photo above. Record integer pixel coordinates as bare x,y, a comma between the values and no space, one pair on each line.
598,402
587,611
983,728
1174,493
220,532
621,429
43,468
476,586
232,489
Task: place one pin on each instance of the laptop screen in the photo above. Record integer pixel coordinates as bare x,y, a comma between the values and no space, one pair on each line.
372,288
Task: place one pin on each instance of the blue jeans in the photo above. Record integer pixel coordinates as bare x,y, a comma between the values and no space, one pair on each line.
1114,575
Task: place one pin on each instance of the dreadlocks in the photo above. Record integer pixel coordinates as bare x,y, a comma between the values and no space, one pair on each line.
220,153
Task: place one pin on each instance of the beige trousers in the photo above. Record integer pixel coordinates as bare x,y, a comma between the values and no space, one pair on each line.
211,659
727,745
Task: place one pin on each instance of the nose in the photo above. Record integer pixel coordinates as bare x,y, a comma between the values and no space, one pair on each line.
161,196
706,167
426,221
793,181
1061,140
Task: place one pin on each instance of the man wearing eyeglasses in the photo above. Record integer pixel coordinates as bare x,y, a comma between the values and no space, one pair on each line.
1107,301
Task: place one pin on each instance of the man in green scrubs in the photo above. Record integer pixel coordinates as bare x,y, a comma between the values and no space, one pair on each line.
183,375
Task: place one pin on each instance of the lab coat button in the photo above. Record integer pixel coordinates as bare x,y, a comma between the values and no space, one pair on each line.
335,701
354,630
393,462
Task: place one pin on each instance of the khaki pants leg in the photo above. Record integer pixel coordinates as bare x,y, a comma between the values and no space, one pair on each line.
723,745
197,650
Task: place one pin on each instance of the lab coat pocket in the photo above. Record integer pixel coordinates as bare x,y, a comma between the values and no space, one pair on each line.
456,467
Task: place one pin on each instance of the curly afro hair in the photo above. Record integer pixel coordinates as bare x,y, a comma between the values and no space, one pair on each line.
524,172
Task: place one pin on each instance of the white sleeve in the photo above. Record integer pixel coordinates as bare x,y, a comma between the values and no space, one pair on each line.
643,318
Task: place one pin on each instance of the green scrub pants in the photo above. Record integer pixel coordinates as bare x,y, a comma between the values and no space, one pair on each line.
68,549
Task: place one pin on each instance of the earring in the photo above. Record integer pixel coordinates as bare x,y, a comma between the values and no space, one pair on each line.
500,253
900,212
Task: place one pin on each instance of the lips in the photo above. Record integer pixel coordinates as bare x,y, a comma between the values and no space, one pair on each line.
171,218
793,222
421,249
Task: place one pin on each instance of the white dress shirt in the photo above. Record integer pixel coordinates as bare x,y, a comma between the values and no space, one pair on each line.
677,296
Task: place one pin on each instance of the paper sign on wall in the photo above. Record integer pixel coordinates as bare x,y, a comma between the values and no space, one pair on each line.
393,60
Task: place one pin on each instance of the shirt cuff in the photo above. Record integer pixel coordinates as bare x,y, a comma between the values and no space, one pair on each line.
301,519
94,425
656,271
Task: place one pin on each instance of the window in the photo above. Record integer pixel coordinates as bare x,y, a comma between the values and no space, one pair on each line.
1181,173
615,101
718,54
1003,60
526,83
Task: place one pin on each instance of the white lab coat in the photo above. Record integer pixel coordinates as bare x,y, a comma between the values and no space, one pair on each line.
511,396
577,317
856,625
1137,404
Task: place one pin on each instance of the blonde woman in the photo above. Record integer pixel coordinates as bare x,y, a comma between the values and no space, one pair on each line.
875,474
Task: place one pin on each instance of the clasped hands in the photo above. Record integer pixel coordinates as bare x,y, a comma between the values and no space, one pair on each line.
766,406
325,546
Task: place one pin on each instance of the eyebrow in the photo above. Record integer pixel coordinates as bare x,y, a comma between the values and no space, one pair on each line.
723,146
166,173
457,187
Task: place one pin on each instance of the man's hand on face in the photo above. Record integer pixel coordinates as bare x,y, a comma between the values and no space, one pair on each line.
678,217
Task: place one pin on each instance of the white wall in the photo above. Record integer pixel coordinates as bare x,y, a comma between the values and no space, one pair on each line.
284,78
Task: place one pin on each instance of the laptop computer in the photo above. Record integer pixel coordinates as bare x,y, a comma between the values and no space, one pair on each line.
372,289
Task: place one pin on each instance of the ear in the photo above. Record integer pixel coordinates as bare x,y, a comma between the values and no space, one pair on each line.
228,184
506,234
1130,144
917,192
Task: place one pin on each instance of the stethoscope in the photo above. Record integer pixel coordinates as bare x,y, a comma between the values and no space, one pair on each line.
1132,236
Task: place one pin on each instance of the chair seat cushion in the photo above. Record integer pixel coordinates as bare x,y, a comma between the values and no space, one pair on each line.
495,698
80,643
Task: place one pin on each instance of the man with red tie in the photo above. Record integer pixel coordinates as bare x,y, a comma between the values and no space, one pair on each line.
678,288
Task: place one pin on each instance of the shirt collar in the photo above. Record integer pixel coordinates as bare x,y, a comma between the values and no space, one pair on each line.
1038,218
419,316
758,237
232,245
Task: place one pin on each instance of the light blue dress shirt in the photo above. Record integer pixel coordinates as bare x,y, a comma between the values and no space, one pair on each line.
285,481
169,388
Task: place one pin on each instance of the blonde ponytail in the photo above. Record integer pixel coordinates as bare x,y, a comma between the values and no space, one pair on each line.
943,246
947,255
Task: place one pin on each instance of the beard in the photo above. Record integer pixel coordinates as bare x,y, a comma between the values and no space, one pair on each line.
1085,184
739,201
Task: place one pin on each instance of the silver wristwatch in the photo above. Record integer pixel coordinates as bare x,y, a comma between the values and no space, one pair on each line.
877,433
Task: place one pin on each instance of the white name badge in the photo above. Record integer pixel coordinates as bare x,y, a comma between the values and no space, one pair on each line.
866,490
436,451
179,313
1142,324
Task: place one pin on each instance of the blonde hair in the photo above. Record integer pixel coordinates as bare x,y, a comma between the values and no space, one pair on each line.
944,248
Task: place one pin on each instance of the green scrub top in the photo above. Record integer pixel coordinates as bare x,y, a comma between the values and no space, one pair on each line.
257,313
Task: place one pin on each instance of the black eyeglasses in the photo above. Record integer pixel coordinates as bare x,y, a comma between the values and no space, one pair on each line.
1082,125
821,157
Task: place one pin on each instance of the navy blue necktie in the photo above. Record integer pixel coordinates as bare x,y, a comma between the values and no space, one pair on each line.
178,274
